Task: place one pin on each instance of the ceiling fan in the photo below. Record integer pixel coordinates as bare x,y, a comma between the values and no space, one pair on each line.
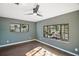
35,11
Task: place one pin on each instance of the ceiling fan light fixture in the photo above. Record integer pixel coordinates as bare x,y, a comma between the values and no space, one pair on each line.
35,14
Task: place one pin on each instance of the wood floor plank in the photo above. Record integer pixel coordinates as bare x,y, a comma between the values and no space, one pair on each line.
23,49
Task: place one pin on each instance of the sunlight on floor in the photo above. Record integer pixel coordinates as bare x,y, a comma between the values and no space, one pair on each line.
39,51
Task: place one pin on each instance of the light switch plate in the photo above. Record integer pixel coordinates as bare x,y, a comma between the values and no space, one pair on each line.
76,49
7,41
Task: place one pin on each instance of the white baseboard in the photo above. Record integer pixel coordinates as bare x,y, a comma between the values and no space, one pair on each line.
16,43
58,48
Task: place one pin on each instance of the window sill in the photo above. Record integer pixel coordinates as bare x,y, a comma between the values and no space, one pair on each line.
61,41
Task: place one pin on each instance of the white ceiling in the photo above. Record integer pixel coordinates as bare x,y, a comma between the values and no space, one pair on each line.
48,10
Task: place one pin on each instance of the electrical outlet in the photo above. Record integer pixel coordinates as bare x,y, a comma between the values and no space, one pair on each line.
76,49
7,41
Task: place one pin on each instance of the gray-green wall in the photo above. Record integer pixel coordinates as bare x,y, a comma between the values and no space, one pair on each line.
12,37
36,31
73,20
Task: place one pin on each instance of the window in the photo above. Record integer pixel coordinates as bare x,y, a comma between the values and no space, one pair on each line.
58,31
16,27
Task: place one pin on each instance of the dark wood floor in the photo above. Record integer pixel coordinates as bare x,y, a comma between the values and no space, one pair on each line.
22,49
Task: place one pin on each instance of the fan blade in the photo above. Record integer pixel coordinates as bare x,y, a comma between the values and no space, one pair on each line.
37,7
39,15
29,14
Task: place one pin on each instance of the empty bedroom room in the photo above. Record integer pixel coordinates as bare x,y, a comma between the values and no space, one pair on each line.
39,29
